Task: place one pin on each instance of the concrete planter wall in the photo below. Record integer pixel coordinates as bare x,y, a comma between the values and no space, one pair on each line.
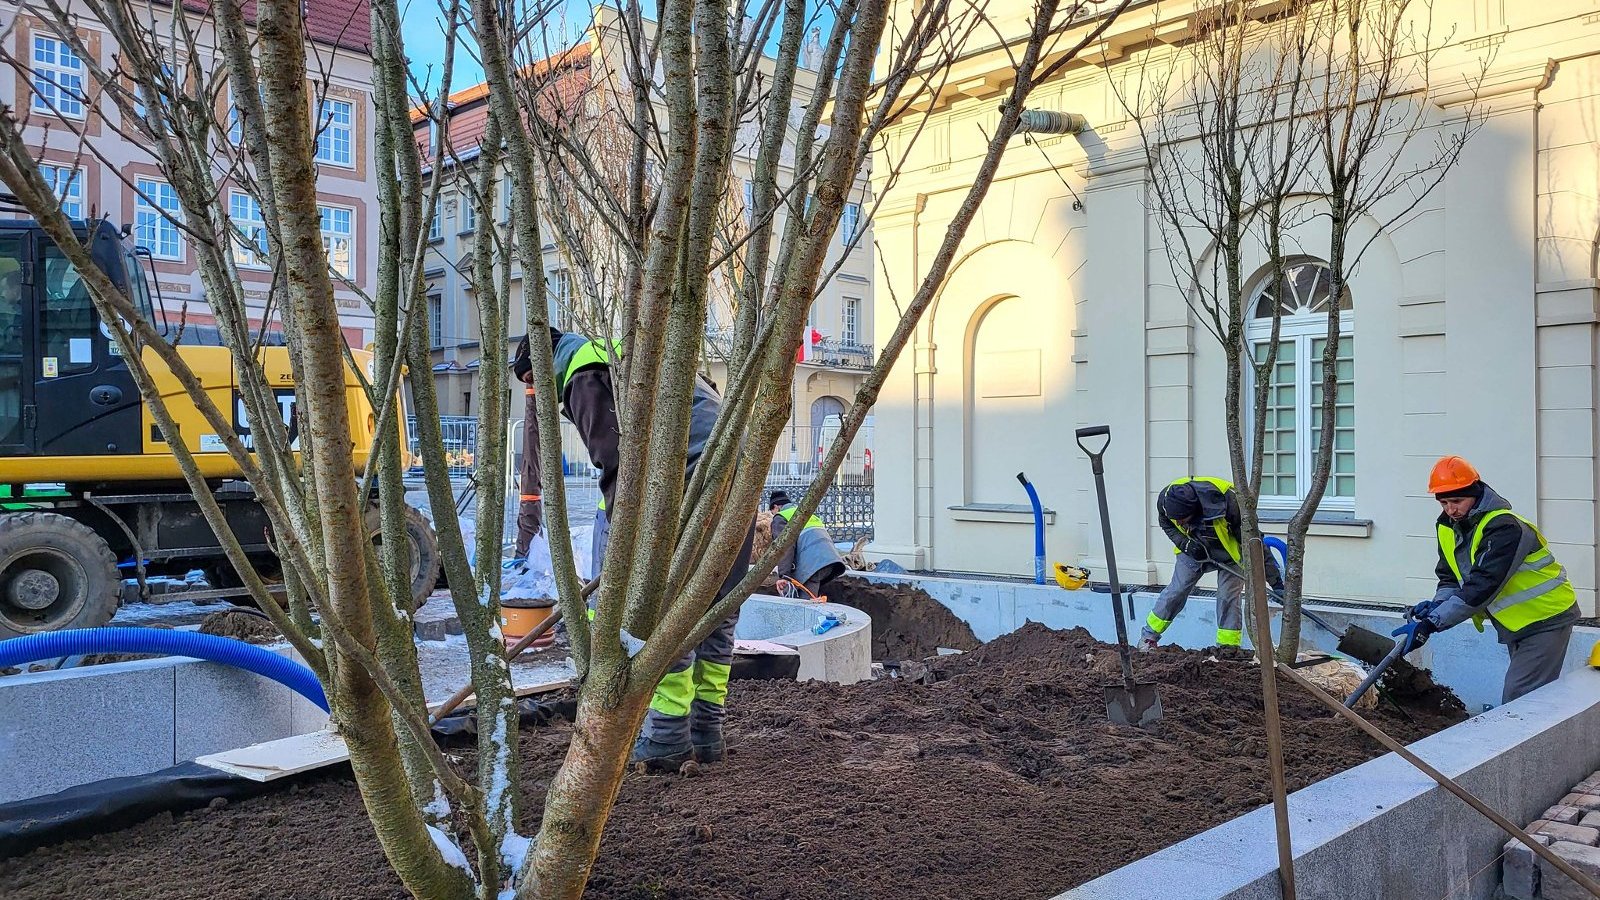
843,654
1472,664
75,726
1384,829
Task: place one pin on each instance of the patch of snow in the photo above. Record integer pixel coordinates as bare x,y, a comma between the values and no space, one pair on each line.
447,848
514,851
438,809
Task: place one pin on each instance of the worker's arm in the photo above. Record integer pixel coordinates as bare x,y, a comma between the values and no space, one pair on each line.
1502,547
1177,537
1230,514
785,565
592,407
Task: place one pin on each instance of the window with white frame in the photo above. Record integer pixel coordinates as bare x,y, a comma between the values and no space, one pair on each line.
67,184
338,233
558,283
335,140
851,325
57,77
505,198
436,226
848,222
749,201
139,109
435,321
1293,414
469,212
250,246
155,214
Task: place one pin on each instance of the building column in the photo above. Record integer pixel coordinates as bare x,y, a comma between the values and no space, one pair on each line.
903,471
1110,365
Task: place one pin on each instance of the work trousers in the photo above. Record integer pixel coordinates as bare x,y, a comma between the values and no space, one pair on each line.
530,503
1185,575
1535,662
694,692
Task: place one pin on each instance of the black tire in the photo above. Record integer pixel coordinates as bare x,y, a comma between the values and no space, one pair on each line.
55,573
424,544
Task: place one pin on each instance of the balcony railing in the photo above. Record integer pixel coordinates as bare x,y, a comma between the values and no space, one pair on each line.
828,352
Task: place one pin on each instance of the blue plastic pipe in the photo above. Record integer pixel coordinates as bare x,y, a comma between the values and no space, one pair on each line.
1275,545
1038,529
122,639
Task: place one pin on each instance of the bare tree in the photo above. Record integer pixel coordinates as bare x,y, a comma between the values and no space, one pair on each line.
1264,128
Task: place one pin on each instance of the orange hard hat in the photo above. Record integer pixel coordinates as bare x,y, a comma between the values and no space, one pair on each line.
1452,473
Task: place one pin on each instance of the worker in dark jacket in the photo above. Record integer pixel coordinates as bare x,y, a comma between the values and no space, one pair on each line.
686,711
1200,515
530,502
813,561
1495,565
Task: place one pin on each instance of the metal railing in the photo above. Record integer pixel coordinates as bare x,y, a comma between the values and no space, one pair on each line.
460,443
827,352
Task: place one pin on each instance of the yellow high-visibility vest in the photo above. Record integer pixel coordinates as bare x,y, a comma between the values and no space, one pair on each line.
1537,590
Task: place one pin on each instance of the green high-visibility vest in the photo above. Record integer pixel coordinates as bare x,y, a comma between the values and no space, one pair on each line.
591,353
1219,524
1537,590
788,514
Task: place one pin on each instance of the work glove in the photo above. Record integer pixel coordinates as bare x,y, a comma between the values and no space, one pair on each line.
1416,631
1421,610
1195,550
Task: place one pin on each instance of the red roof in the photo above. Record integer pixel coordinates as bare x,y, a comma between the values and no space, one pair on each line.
346,24
562,81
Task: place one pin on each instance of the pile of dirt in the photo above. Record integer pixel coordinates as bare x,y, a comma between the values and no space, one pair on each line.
1000,779
242,625
906,622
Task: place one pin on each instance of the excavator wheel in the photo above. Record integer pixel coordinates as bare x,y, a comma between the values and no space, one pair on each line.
424,557
55,573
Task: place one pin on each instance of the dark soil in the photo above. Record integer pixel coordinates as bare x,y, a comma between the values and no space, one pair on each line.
1001,779
906,622
241,625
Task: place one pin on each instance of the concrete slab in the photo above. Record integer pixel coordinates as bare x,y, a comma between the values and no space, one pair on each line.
219,708
67,728
285,756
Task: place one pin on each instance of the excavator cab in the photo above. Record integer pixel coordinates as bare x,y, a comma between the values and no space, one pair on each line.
64,388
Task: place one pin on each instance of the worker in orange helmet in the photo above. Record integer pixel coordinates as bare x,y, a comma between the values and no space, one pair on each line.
1495,565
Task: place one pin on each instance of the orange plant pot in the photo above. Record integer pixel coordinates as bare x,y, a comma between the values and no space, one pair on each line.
517,621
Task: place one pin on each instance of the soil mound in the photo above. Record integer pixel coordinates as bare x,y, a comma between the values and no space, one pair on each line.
245,626
1000,779
906,622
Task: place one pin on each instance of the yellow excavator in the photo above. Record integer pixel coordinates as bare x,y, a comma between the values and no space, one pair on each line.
93,507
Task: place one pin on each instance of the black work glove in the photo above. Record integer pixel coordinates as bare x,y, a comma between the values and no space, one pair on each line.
1195,550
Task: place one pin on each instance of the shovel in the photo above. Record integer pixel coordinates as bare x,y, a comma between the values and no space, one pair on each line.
1128,703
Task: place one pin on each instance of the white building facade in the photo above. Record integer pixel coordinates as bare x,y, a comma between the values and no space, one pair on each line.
1471,328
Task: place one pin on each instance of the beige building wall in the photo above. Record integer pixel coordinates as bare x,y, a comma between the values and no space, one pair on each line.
1473,319
119,161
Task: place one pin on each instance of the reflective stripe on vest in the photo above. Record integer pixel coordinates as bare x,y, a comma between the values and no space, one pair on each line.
1537,590
592,353
1219,525
788,514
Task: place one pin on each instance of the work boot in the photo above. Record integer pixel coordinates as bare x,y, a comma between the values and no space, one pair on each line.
709,746
1148,642
657,757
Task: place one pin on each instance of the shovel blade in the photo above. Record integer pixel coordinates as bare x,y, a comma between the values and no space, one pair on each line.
1140,707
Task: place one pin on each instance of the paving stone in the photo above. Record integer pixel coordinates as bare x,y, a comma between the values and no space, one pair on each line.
1566,815
1577,834
1519,869
1554,885
1591,820
1582,801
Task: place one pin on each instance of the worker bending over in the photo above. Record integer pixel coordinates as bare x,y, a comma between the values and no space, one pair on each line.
686,712
1201,517
1495,565
813,561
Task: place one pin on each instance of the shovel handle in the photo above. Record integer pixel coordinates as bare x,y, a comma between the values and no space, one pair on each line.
1377,672
1090,431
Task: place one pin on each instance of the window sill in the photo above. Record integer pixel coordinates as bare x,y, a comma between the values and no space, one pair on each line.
1328,525
1015,513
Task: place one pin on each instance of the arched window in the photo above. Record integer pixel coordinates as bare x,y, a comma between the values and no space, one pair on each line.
1294,399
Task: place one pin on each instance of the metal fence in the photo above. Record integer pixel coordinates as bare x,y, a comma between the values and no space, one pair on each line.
460,443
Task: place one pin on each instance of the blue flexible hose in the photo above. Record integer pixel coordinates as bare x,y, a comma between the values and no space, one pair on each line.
1275,544
122,639
1038,529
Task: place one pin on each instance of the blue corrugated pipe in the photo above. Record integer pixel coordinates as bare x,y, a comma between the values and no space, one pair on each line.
1275,544
1038,529
122,639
